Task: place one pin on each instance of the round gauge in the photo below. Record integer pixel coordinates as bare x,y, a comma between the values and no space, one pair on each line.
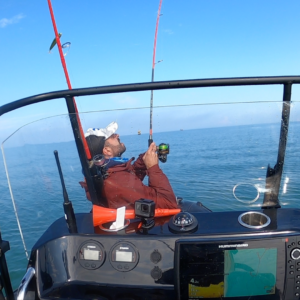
183,222
123,256
91,255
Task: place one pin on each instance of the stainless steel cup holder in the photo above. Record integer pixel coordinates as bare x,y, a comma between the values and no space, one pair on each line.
254,220
106,227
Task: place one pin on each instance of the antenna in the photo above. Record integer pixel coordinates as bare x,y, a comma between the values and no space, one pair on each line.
68,207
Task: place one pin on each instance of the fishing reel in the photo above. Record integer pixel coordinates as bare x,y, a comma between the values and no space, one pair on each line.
100,163
163,150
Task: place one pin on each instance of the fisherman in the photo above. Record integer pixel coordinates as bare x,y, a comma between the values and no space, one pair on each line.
123,181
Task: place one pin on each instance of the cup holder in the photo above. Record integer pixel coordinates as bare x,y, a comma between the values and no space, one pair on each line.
254,220
106,226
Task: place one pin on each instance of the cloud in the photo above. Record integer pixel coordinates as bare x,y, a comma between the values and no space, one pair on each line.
168,31
5,22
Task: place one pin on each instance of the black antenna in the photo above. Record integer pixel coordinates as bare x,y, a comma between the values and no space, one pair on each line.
68,207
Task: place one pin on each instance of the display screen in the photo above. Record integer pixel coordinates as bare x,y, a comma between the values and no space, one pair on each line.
228,271
90,254
123,256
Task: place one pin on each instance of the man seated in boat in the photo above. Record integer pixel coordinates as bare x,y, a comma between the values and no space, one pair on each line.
123,181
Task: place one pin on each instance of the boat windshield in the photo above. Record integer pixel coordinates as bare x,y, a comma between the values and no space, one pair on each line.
221,142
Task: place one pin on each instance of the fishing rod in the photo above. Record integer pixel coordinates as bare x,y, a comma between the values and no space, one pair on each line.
150,140
162,149
81,143
62,58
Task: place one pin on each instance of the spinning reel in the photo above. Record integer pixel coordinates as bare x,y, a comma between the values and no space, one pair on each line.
163,150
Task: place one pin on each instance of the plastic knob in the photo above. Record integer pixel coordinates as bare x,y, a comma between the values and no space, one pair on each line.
295,254
155,257
156,273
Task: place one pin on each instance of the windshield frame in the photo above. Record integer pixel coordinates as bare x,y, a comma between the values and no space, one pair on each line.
273,174
159,85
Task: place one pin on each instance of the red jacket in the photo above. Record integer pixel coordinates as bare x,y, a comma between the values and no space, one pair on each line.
123,185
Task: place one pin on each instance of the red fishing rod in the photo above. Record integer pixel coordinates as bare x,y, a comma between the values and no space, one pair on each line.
82,146
62,58
153,66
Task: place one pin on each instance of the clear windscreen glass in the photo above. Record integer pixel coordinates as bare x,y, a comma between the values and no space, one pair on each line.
220,149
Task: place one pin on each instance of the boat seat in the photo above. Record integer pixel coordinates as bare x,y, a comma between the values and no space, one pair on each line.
98,187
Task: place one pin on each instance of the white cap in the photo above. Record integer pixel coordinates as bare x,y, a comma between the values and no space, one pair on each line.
105,132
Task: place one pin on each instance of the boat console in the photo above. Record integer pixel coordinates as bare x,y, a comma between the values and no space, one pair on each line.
226,256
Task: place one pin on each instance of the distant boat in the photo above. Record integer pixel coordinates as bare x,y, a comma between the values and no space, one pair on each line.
181,129
139,132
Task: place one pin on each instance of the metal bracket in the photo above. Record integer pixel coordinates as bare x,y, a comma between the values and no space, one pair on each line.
24,283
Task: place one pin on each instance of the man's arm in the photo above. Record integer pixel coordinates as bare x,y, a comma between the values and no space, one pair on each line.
123,188
160,188
139,167
158,182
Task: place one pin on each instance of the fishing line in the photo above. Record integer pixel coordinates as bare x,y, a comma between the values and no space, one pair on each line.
144,107
182,105
14,203
162,39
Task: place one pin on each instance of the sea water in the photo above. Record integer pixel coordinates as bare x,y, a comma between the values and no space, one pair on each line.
203,165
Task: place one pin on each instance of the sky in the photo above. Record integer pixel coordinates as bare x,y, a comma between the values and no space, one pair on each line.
112,43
